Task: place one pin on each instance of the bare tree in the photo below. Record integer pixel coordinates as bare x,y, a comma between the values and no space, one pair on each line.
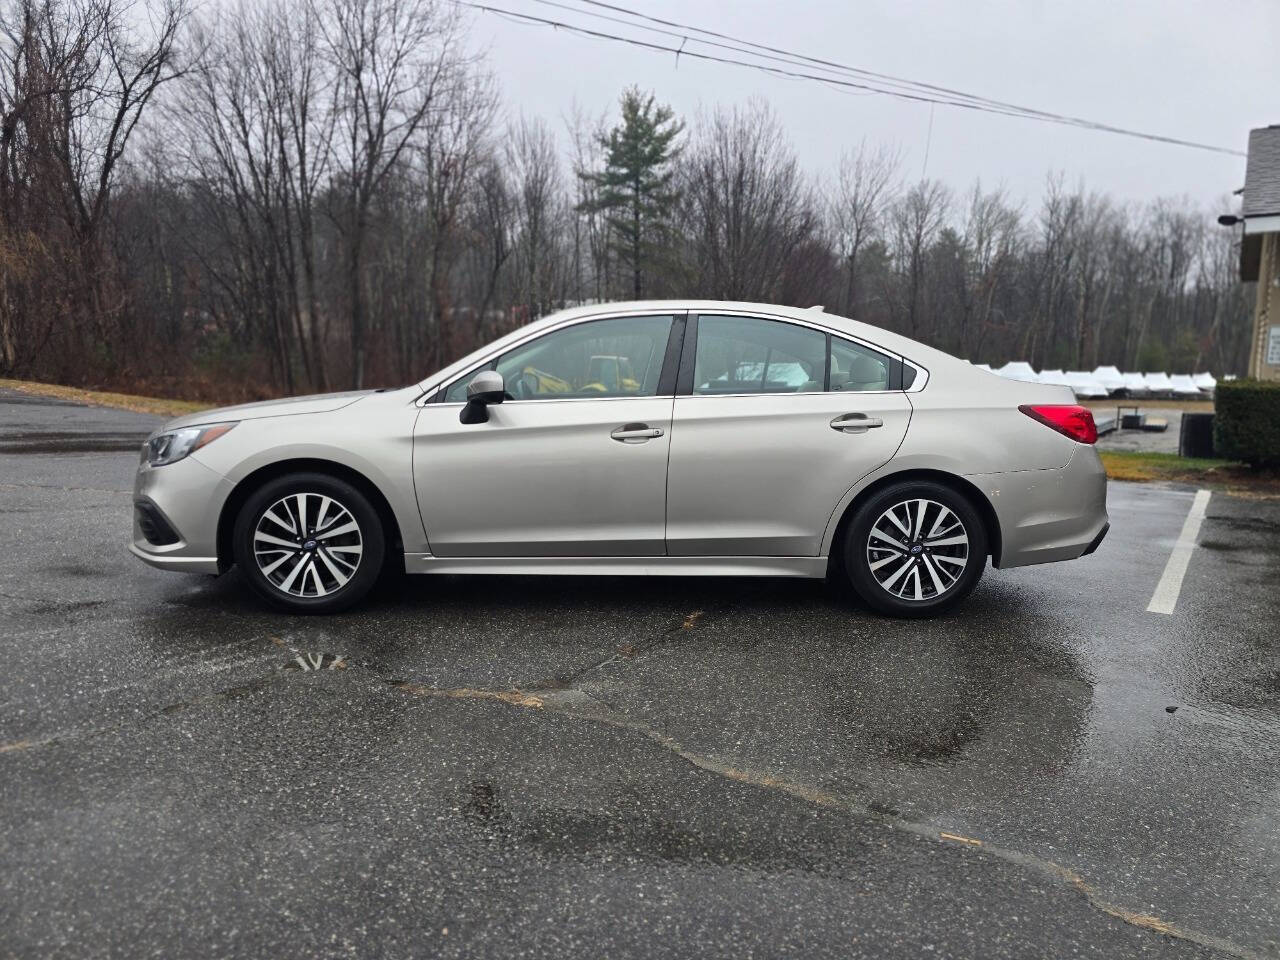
590,229
863,191
394,62
75,78
535,174
454,143
490,225
746,204
989,238
917,217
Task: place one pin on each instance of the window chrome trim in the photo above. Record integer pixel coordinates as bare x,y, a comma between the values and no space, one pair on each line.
922,373
805,393
553,399
688,396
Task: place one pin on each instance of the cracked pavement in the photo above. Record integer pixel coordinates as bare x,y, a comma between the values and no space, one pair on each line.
518,766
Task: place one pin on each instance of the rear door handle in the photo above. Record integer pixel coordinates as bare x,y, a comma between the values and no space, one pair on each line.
635,433
855,423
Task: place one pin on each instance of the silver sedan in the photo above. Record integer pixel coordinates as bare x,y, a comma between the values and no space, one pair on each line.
673,437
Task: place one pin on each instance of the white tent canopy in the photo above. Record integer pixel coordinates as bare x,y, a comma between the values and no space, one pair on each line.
1084,384
1018,370
1107,380
1109,377
1135,384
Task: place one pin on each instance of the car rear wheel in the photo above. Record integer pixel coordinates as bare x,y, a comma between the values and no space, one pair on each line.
309,543
915,549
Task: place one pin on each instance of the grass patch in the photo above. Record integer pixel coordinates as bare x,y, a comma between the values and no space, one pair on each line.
1146,405
1235,478
98,398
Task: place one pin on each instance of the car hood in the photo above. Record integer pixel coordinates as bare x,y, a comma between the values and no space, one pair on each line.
290,406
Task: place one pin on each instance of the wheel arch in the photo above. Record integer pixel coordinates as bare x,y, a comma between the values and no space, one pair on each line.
248,484
962,486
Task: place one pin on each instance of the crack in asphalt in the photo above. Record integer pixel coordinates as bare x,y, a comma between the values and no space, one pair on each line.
579,704
252,685
628,651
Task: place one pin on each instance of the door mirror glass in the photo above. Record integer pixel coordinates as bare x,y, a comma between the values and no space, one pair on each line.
486,387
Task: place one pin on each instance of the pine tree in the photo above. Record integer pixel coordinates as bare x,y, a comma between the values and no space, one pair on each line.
635,189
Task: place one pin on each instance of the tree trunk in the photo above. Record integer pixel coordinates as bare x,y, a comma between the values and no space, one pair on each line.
357,312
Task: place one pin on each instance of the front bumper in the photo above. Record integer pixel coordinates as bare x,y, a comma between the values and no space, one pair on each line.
1049,515
188,497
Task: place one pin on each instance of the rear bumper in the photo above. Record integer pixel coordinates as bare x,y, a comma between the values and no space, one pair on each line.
1049,515
1097,541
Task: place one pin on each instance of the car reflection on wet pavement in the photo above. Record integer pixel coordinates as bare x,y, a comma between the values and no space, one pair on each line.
497,766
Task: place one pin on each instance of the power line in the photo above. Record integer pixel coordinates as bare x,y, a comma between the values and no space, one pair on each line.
1029,112
868,82
840,67
931,93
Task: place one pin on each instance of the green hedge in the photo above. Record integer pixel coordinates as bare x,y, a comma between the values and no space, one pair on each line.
1246,423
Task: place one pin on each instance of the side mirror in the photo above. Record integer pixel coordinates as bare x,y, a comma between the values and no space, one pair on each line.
485,388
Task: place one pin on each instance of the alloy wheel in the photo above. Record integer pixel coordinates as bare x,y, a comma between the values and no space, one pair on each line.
307,545
917,549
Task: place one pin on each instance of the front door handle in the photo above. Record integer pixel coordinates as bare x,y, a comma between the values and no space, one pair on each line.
855,423
636,433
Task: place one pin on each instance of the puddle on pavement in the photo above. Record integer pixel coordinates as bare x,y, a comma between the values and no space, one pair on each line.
35,400
310,662
70,442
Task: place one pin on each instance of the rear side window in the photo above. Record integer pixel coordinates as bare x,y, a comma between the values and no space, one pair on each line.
855,367
751,355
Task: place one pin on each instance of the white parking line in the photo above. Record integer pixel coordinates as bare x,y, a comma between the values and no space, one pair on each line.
1166,596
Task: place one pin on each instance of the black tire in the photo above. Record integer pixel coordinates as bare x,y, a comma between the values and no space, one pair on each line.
920,561
321,590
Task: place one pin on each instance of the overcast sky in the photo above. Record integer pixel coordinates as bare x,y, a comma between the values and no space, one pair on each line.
1206,71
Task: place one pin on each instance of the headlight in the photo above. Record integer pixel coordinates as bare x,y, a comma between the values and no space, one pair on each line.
169,447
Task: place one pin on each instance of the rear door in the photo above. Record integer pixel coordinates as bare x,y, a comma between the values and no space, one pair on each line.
773,423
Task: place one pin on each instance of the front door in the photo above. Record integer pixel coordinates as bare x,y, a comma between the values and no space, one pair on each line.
573,463
773,423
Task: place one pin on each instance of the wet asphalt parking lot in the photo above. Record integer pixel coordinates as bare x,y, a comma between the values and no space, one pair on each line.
626,767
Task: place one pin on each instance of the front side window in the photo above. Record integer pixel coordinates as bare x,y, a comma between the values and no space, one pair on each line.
751,355
620,357
855,367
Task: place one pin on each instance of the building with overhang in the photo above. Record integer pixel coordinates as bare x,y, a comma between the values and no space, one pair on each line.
1260,248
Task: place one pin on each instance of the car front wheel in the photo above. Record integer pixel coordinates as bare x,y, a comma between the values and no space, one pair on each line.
915,549
309,543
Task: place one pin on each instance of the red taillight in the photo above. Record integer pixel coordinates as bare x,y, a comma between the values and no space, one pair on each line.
1072,421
